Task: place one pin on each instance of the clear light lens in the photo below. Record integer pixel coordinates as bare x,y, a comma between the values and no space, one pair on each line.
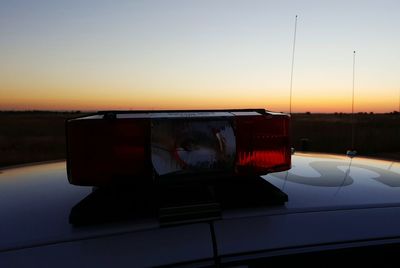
192,145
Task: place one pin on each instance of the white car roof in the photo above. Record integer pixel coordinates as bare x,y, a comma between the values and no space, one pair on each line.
332,199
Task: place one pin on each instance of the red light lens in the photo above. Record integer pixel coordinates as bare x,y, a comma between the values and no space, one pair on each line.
262,144
101,152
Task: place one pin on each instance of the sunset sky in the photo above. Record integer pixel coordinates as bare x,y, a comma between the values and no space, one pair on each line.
167,54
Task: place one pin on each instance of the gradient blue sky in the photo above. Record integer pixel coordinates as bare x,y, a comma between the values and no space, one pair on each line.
198,54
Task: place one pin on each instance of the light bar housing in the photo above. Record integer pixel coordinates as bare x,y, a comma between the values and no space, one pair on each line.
136,147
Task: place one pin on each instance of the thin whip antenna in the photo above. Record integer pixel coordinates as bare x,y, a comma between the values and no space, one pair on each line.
352,103
291,87
291,73
352,153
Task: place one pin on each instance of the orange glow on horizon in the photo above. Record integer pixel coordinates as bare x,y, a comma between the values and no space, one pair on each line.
219,101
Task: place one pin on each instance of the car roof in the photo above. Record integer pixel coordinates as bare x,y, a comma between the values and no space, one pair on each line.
36,202
327,181
35,205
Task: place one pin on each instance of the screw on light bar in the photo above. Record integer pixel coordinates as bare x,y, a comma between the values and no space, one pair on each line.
139,146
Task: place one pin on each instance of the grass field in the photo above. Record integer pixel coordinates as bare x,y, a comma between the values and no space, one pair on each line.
375,134
40,136
32,136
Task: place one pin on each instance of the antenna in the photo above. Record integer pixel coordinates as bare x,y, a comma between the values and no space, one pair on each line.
351,153
291,72
291,87
352,103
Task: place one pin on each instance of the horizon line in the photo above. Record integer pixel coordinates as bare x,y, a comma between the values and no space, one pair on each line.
121,110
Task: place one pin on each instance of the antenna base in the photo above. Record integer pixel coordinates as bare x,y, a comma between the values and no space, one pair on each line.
351,153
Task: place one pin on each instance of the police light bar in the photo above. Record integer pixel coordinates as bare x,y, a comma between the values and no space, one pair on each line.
139,146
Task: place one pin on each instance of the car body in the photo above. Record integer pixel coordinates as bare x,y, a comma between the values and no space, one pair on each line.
335,204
